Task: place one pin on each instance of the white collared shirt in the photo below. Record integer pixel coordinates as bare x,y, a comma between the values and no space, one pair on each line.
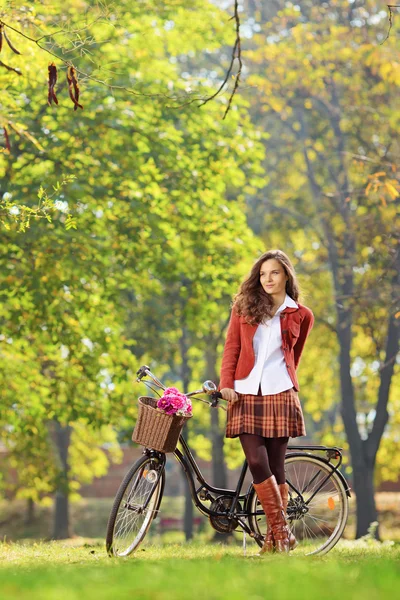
269,368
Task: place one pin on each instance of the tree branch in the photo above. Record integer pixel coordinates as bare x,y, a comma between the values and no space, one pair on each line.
391,19
236,54
17,71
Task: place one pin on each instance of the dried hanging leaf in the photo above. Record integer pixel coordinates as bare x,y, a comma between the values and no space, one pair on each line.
13,48
73,87
52,82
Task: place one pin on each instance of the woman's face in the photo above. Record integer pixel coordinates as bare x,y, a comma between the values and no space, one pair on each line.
273,277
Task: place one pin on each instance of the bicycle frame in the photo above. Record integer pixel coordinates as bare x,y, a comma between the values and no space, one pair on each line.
189,464
204,491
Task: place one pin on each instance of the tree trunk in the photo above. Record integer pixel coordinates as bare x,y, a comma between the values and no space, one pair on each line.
185,375
219,472
363,452
363,465
218,467
363,480
188,514
30,512
363,469
61,513
219,475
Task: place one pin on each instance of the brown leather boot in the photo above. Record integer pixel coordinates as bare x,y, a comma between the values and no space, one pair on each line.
284,490
269,542
270,498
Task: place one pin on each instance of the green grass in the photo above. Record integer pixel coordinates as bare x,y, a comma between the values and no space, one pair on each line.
80,570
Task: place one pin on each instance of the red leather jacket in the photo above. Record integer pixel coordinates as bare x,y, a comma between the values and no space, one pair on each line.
238,357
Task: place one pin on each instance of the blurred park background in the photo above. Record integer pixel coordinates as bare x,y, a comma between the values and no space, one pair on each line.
126,227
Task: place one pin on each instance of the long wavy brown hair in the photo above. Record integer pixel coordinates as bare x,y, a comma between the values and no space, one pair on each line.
252,301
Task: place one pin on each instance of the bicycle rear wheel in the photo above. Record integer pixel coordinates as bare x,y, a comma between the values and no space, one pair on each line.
317,509
136,505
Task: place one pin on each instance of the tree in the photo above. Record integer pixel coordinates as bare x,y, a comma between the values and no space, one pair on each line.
148,199
337,123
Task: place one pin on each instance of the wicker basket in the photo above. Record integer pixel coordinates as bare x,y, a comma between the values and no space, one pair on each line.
155,429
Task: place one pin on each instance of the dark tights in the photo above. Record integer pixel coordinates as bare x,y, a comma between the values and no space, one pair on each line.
265,456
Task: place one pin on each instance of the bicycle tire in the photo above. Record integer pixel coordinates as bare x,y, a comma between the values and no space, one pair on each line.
114,545
303,461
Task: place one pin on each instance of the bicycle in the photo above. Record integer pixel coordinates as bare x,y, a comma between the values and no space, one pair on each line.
317,509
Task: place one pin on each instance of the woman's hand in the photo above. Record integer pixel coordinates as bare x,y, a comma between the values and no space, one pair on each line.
229,394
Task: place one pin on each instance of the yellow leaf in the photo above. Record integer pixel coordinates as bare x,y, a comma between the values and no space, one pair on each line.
392,190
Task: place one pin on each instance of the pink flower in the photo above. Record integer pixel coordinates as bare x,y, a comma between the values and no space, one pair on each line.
188,406
171,390
174,402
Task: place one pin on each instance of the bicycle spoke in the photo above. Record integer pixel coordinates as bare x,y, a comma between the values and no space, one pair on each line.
314,485
310,532
317,506
132,520
314,518
323,532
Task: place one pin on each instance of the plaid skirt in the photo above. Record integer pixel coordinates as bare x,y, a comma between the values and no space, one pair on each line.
275,415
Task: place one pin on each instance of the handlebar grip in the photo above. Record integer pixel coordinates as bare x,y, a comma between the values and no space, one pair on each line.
141,372
215,397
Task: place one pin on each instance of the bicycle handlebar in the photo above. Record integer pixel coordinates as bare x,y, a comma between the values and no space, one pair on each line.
208,387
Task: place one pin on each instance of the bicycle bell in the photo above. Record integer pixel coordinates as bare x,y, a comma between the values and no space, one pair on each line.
209,387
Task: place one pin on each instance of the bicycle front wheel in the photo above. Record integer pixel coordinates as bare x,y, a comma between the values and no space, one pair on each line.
317,508
136,505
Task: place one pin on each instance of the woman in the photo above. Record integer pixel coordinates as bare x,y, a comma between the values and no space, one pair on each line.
265,338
